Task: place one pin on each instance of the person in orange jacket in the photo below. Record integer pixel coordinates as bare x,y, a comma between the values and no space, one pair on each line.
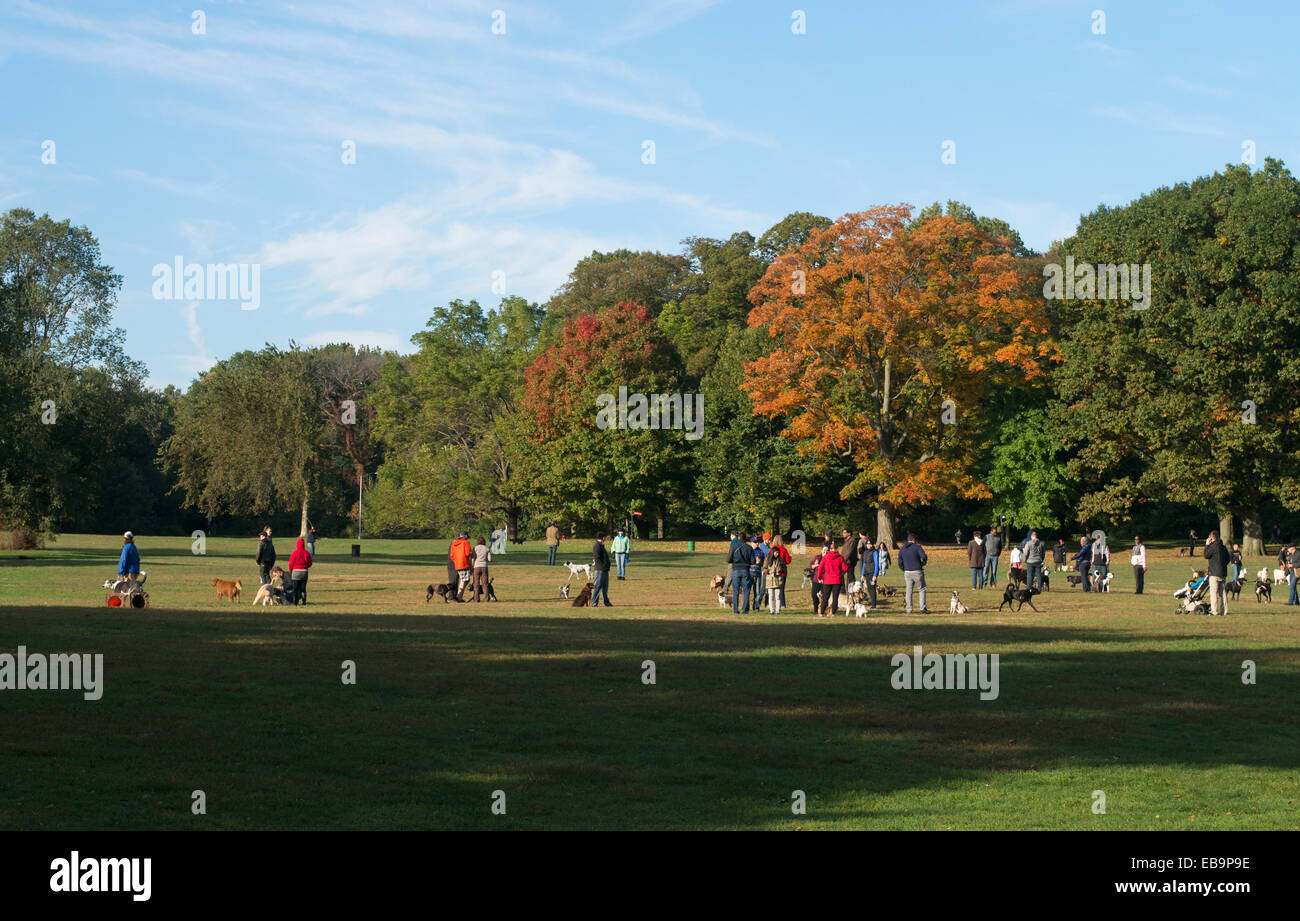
460,555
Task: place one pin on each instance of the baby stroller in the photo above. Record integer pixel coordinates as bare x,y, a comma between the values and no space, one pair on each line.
1192,597
126,593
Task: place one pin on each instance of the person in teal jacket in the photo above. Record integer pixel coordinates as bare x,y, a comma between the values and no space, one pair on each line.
621,547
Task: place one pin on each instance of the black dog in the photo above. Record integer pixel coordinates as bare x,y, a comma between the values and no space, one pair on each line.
584,597
1263,591
1018,576
1074,580
1047,582
1022,595
445,591
1234,589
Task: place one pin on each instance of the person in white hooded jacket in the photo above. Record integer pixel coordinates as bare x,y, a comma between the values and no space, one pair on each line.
1139,561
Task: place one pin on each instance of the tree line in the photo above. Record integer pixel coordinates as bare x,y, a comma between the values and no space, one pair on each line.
889,368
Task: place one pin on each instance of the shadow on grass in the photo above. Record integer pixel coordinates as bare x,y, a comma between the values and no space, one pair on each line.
447,708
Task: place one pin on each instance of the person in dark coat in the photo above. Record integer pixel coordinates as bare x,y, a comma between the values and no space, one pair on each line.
599,571
265,555
1217,559
1083,563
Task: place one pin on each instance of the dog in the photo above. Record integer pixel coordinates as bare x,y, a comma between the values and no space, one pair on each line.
575,568
1102,583
1263,592
1017,576
1182,551
808,575
1262,575
854,601
491,590
956,607
1024,596
444,590
716,583
887,590
1074,580
1233,589
722,599
1279,576
584,597
229,590
267,593
1047,582
564,590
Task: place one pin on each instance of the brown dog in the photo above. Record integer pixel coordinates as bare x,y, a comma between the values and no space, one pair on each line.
584,597
228,590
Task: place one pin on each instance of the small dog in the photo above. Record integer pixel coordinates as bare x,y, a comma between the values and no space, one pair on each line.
1102,583
444,590
1017,576
722,599
1074,580
854,601
564,590
1182,551
807,577
575,568
1279,576
956,607
1262,575
267,593
1024,596
887,590
716,583
228,590
584,597
1263,592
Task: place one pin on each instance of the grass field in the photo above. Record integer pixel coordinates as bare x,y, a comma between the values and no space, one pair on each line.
546,702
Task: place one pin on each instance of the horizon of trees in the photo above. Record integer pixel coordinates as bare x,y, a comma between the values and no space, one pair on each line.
889,369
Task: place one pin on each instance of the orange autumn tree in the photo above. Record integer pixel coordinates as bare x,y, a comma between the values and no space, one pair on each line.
876,323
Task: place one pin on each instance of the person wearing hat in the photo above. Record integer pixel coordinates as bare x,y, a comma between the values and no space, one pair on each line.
621,546
552,541
128,564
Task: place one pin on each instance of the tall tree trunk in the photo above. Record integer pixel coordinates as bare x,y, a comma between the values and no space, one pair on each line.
662,513
1225,528
1252,543
796,519
303,531
885,523
775,526
512,522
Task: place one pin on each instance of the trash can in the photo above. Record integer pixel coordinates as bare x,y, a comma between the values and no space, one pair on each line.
690,545
356,550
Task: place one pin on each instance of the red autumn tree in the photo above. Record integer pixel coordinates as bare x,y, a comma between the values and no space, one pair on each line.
878,323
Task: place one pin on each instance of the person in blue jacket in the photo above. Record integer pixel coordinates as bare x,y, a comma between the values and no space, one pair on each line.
128,565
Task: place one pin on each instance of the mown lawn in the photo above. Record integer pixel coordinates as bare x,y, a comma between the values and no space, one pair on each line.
546,702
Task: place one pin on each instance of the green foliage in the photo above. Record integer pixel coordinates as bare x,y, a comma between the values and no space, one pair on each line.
1027,473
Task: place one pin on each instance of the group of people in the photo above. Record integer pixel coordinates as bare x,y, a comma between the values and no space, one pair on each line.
467,569
300,560
620,547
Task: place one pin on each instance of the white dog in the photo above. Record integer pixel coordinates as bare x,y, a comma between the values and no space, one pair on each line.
575,568
1279,576
956,607
1103,585
564,590
854,601
722,600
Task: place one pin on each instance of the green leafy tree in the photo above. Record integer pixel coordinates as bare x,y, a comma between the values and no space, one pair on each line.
1197,397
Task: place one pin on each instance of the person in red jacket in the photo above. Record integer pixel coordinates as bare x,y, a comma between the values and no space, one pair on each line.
830,573
460,554
299,563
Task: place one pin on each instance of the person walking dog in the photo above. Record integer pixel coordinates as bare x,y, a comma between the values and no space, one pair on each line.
912,558
128,564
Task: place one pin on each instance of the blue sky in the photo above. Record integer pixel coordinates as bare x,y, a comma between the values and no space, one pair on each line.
519,153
